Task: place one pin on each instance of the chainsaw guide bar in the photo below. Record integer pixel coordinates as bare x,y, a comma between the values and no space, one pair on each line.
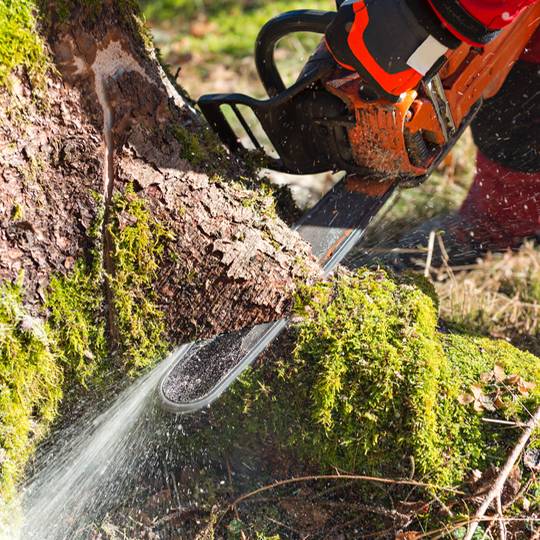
332,227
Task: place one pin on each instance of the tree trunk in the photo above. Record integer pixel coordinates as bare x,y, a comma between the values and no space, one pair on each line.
99,146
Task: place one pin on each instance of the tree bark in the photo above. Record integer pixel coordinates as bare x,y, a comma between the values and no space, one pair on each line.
107,118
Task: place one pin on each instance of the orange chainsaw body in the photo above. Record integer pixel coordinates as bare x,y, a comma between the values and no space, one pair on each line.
403,139
327,121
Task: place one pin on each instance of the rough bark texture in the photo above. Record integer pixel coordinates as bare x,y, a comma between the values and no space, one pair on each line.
109,118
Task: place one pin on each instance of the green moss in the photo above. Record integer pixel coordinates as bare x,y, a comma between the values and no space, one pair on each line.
260,195
17,212
422,283
30,386
373,386
36,358
200,147
192,149
62,11
75,306
473,358
20,44
139,242
75,302
237,530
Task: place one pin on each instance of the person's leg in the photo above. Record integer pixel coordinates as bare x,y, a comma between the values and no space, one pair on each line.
503,204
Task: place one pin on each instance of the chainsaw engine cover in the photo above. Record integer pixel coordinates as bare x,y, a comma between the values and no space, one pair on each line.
306,124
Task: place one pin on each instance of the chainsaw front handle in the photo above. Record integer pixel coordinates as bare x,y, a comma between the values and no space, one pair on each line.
291,22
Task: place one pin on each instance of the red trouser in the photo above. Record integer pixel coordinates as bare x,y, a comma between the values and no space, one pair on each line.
503,204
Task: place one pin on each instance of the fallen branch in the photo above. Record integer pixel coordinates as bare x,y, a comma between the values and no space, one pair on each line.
375,479
349,477
431,247
498,486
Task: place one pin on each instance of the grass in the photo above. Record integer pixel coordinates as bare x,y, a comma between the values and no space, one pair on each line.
216,40
499,297
227,27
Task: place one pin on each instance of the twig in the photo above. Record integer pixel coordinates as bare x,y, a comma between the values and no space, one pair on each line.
504,422
498,486
445,260
446,509
283,525
229,475
444,253
431,246
376,479
349,477
502,524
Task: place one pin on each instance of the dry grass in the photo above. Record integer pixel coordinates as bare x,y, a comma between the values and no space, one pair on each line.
499,296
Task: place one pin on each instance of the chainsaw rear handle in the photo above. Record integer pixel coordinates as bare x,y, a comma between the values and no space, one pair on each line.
302,20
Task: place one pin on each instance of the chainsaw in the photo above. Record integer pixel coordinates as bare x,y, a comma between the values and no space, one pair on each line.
326,121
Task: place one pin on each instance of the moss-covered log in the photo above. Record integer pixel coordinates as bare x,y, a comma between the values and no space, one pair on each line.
125,225
372,385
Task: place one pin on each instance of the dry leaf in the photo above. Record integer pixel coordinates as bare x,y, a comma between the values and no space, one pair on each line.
513,485
476,390
525,387
499,373
484,402
486,377
465,399
531,459
498,402
513,379
478,407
